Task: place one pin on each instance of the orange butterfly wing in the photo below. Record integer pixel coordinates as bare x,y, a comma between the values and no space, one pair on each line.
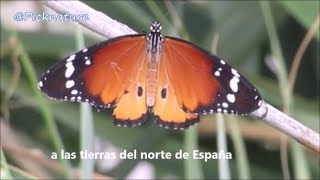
190,74
186,77
117,76
107,74
197,82
167,111
204,83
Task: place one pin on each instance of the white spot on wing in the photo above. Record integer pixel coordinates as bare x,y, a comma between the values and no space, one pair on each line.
69,84
71,58
259,103
40,84
69,70
88,62
222,62
217,73
235,72
74,92
234,84
225,105
231,98
85,50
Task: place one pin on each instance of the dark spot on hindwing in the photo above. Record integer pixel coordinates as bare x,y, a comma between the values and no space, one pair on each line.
164,93
140,91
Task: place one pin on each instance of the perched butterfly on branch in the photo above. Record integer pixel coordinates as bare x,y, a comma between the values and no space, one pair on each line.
169,79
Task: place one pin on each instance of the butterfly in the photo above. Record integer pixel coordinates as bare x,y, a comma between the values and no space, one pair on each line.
140,75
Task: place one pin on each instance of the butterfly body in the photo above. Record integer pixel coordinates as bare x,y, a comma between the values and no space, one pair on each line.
171,79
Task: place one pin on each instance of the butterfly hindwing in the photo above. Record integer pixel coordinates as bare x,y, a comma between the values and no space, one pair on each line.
131,110
167,111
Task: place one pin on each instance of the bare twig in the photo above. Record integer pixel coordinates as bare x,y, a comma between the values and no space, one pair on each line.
288,126
98,22
108,27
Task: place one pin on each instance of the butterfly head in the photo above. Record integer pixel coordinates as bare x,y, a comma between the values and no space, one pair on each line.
155,38
155,27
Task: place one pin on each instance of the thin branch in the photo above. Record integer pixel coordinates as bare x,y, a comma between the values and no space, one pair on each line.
108,27
288,126
98,22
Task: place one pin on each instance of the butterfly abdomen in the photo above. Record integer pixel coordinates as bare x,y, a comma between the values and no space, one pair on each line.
154,48
151,83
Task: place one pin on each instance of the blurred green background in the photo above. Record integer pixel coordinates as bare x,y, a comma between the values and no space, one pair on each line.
243,42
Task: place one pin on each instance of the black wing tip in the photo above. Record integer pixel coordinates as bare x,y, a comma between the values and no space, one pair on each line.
174,125
128,122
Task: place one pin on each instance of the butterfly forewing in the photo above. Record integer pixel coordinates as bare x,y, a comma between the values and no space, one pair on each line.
103,77
64,80
204,83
